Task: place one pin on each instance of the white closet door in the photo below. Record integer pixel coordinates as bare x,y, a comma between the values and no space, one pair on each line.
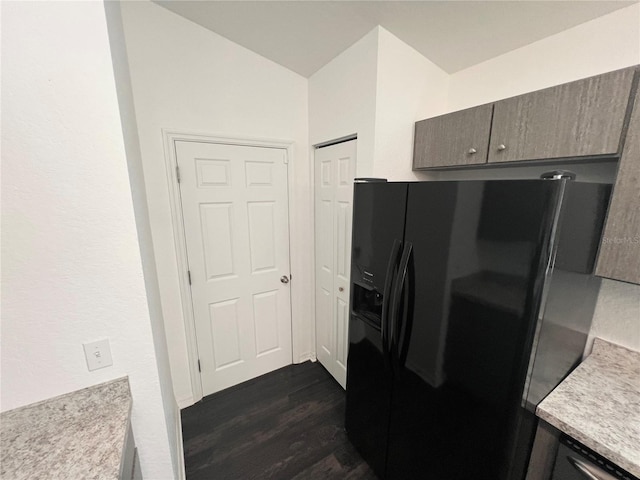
335,168
236,221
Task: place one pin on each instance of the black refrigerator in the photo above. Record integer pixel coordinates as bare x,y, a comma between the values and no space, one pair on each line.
470,302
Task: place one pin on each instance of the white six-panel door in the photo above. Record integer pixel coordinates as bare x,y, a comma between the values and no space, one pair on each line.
235,210
335,168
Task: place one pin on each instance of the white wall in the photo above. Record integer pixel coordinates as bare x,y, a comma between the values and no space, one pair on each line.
72,268
601,45
409,88
377,89
342,100
617,315
607,43
187,78
141,214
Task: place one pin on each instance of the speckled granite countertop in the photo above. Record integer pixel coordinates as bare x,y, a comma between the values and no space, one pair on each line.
599,404
77,435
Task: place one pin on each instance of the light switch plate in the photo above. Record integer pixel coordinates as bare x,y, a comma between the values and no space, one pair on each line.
98,354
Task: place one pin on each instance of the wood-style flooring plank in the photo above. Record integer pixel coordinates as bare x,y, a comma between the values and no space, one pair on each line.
288,424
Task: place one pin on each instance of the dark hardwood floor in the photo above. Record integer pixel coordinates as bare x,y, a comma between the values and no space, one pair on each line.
288,424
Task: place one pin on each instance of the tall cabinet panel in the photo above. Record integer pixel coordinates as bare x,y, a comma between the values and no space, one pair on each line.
620,249
582,118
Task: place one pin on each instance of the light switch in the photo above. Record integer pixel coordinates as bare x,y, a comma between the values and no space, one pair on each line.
98,354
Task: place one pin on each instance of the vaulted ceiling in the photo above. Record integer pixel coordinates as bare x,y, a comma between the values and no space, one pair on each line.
305,35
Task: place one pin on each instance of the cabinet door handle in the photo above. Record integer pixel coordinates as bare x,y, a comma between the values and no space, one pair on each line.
340,289
590,472
472,151
502,147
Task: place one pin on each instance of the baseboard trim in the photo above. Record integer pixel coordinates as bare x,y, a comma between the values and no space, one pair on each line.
182,472
306,356
185,402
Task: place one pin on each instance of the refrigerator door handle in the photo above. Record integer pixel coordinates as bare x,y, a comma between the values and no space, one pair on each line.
590,472
388,283
404,329
397,291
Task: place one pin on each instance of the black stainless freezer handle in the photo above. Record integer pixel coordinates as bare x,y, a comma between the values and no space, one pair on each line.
397,291
388,283
404,329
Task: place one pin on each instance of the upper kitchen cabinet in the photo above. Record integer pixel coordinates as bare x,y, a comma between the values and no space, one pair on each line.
577,119
620,248
456,139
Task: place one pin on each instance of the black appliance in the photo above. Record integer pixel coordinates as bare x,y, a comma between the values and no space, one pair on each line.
574,461
470,302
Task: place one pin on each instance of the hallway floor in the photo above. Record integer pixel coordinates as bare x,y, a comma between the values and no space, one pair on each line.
288,424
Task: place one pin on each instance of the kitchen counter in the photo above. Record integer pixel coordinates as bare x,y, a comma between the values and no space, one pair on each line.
598,404
78,435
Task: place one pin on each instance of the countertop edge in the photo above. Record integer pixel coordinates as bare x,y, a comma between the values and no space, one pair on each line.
587,441
80,434
605,361
71,394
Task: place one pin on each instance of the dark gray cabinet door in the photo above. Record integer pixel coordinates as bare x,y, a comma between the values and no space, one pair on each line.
582,118
620,248
454,139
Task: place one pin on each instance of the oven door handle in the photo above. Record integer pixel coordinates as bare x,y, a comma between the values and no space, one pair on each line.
590,472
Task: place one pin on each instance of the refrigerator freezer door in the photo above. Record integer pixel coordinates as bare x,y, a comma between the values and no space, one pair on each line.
378,229
475,279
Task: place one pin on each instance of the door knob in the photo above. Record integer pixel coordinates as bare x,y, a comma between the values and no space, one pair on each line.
284,279
340,289
502,147
472,151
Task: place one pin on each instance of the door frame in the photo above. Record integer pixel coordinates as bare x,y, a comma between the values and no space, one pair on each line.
170,137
